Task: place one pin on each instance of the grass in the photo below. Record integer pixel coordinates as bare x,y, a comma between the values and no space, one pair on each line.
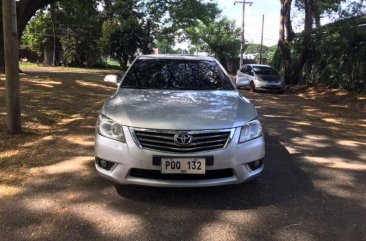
35,67
59,108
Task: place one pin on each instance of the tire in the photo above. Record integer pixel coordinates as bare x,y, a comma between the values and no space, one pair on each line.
252,87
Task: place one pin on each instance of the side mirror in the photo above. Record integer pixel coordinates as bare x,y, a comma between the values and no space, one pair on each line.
111,78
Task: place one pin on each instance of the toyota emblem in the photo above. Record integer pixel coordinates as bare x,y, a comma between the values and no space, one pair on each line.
183,139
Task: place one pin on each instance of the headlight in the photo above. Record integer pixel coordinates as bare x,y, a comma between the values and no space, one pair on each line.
259,78
250,131
110,129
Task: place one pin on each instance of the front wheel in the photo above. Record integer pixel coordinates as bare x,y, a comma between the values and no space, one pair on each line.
252,87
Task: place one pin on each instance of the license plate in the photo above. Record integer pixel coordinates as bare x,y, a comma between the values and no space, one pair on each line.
183,165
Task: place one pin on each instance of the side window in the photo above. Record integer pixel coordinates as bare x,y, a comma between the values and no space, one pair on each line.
243,69
249,71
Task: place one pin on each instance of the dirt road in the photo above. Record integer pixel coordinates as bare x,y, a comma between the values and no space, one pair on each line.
313,187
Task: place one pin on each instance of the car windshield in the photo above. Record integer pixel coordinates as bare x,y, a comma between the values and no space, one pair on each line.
176,75
263,70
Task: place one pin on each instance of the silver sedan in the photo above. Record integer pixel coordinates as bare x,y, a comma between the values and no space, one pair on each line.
178,121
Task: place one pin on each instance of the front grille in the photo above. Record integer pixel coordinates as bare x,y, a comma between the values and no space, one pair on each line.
161,140
156,174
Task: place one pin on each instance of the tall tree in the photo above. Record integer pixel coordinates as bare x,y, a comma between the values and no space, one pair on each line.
313,11
67,20
174,16
343,8
286,36
306,40
123,35
292,67
37,34
11,67
220,37
83,20
136,23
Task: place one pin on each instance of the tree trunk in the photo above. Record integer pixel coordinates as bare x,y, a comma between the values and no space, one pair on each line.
11,51
54,34
286,36
316,14
2,59
292,68
123,63
286,60
306,41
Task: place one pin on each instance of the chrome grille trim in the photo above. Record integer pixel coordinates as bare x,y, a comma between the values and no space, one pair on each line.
163,140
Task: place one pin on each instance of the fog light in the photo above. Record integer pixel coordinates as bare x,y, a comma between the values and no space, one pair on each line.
254,165
107,165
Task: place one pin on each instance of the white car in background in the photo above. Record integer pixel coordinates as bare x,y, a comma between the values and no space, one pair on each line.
259,77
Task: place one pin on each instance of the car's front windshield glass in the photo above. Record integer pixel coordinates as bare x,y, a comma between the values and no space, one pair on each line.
263,70
175,74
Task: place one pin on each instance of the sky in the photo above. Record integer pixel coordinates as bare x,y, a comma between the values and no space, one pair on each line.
253,20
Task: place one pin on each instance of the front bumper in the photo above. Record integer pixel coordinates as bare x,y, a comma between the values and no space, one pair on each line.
128,157
267,86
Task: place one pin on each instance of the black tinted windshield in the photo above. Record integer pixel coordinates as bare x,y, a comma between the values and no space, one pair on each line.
263,70
176,75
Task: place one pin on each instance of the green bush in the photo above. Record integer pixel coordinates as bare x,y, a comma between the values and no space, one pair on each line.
337,56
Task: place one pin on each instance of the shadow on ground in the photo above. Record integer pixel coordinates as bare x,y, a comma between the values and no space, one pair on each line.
267,190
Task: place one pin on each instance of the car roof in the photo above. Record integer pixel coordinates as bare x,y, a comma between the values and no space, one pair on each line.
259,65
177,57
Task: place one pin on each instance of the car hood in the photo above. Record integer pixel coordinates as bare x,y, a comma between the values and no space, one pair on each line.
179,110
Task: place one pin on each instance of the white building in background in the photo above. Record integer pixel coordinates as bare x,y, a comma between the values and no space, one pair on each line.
251,56
201,54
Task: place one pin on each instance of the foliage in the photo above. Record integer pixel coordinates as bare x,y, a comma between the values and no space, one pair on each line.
220,38
166,47
353,8
174,16
342,8
320,8
127,32
36,35
74,24
82,18
69,46
275,62
109,27
337,57
267,52
120,30
133,25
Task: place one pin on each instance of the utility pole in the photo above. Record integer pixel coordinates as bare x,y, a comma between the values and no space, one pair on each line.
242,41
54,34
11,53
260,53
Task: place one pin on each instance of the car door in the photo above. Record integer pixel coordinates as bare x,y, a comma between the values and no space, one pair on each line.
241,71
242,78
250,74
